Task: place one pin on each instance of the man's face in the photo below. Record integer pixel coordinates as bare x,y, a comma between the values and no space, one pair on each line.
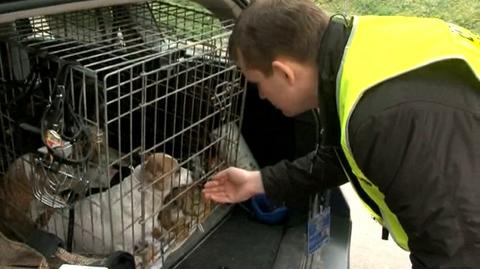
275,89
291,87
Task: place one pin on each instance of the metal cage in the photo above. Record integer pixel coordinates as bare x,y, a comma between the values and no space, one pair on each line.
111,119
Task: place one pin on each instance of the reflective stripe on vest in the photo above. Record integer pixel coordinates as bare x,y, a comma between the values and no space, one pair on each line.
381,48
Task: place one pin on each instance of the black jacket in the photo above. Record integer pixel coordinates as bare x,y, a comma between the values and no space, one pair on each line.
417,137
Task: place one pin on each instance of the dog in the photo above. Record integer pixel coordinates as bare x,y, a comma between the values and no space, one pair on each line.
112,219
185,207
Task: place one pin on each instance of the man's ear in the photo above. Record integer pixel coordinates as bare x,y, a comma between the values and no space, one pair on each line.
284,69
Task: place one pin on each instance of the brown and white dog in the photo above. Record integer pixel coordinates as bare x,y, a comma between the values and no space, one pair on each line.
156,202
120,217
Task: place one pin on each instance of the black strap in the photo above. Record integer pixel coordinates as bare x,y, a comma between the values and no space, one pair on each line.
60,112
71,227
43,242
384,233
117,178
117,260
120,260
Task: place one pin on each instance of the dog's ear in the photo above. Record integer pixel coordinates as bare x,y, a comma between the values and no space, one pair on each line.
159,164
167,163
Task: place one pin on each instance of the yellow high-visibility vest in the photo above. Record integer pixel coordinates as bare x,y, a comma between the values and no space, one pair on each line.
381,48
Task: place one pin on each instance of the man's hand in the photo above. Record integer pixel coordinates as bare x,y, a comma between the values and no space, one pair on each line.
233,185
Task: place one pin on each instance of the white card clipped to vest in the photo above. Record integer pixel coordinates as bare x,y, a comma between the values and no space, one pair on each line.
319,222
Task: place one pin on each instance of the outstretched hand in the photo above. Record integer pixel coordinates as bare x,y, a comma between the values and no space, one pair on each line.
233,185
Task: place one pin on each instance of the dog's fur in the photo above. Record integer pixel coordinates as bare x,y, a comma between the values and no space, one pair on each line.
186,206
111,220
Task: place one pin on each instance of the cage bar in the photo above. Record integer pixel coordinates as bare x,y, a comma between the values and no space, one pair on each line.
108,115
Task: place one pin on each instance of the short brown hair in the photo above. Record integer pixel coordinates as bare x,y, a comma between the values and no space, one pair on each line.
271,28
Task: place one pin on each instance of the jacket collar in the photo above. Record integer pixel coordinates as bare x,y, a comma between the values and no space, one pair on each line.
330,55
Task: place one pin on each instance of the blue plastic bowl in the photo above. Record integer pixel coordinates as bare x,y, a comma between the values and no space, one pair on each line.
266,212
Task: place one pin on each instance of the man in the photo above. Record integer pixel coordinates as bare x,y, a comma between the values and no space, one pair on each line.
399,103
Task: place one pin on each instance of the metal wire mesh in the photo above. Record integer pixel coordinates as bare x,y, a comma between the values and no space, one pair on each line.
143,88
